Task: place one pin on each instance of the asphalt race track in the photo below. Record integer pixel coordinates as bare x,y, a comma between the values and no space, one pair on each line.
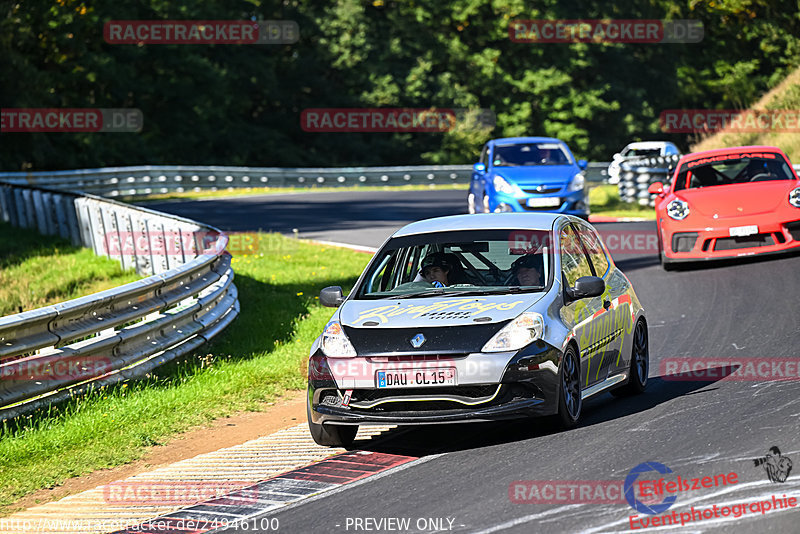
363,218
745,308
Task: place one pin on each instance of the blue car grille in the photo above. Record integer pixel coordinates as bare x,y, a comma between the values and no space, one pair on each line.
544,191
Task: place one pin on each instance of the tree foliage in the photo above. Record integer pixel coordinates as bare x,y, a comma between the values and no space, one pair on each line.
241,104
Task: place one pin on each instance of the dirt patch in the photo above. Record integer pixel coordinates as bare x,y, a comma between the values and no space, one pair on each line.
284,413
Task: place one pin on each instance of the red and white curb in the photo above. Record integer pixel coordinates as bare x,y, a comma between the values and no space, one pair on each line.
239,508
273,470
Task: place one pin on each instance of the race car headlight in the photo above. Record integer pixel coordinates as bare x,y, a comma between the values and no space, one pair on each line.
523,330
503,208
794,197
678,209
502,186
577,183
335,343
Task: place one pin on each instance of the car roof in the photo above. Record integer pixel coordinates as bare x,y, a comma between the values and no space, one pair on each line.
648,144
483,221
727,151
513,140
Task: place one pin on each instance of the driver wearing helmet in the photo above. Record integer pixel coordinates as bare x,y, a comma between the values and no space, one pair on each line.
436,268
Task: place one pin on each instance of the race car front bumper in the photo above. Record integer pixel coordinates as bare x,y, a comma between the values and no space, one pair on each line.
713,240
489,387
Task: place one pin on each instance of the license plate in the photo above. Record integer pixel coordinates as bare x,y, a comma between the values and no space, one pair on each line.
741,231
407,378
546,202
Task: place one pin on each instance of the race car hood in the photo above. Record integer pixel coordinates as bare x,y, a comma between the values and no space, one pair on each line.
538,174
436,311
738,199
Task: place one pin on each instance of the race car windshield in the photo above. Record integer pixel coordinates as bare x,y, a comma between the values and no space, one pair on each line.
458,263
641,152
709,172
526,154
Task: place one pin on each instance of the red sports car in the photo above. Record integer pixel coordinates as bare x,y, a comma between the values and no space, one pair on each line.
728,203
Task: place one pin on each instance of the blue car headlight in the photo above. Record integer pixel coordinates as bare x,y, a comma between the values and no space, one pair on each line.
577,183
502,186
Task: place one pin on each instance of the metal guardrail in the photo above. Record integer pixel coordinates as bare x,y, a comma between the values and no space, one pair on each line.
51,353
147,180
188,296
636,176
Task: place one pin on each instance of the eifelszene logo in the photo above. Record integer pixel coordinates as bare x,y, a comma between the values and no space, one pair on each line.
630,496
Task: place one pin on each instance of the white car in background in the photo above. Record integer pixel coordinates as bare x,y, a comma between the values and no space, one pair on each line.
643,149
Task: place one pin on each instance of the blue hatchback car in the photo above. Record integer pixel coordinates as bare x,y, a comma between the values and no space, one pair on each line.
528,174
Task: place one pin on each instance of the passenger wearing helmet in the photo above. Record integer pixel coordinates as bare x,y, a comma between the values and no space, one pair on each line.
528,270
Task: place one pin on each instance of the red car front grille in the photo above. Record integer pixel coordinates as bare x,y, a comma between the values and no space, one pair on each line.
751,241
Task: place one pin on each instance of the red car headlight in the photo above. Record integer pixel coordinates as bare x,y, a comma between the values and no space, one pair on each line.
794,197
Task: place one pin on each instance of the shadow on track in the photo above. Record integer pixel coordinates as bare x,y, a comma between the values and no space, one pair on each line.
425,440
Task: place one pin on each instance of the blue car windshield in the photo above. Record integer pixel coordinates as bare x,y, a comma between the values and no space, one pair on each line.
526,154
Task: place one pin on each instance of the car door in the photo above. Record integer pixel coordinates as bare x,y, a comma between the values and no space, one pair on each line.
583,316
615,315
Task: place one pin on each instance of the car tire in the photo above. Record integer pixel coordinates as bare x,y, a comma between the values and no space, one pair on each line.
471,204
569,390
665,263
662,258
640,363
331,435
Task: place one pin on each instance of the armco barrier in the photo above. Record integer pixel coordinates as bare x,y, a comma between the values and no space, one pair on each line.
187,298
147,180
635,177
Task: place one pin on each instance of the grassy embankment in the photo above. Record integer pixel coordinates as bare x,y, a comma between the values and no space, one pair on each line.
38,270
786,95
257,359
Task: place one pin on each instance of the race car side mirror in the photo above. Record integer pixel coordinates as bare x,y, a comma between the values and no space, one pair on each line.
331,296
587,287
656,188
479,167
582,164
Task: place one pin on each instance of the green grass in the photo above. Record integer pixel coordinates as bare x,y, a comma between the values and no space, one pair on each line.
249,191
604,200
785,95
261,355
37,270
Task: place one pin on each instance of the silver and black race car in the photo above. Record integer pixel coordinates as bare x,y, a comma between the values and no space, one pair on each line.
476,318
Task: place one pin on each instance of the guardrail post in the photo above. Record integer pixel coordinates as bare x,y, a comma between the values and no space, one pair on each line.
5,204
